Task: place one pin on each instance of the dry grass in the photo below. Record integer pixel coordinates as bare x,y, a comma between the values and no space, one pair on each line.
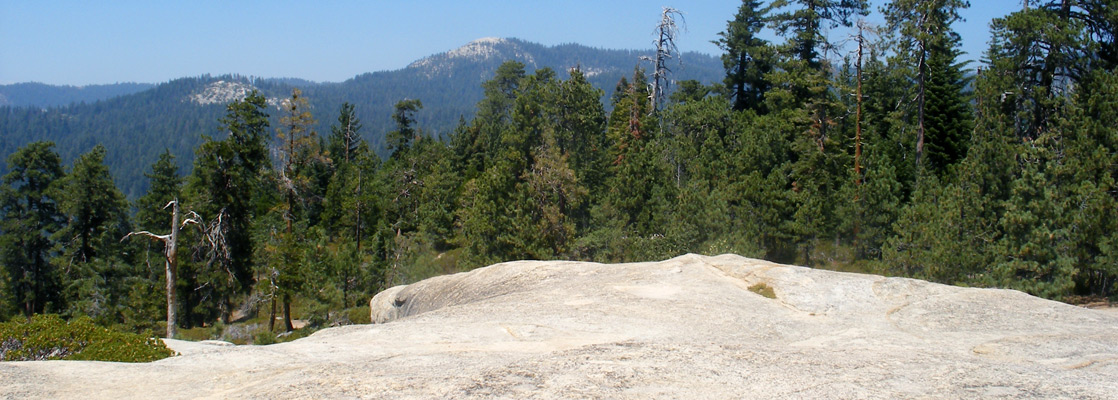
763,289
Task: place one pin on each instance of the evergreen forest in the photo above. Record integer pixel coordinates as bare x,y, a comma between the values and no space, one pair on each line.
894,158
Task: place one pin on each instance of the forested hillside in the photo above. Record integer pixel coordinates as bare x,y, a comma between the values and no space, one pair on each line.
175,115
893,159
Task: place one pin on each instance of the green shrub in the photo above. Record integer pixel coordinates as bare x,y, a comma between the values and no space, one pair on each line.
358,315
264,338
49,337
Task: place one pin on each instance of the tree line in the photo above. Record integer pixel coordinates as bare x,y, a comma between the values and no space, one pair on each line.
892,159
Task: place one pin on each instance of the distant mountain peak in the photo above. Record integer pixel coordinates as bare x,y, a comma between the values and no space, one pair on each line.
481,50
224,92
221,92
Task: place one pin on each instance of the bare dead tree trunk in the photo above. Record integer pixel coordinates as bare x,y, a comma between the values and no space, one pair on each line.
349,138
920,111
921,75
858,113
170,243
172,271
861,39
667,31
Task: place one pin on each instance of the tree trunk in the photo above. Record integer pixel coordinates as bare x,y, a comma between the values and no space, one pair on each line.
272,315
172,270
921,76
170,245
287,313
858,143
858,112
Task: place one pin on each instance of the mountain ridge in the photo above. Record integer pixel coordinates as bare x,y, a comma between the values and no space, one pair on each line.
36,94
136,127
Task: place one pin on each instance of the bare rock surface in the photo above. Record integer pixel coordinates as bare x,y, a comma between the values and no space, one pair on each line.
689,327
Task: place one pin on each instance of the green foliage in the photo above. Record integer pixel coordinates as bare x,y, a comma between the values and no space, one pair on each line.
226,188
29,217
805,24
400,140
136,127
49,337
748,58
264,338
165,186
95,210
949,120
345,142
869,206
940,112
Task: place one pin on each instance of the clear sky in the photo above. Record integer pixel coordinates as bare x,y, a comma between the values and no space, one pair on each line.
97,42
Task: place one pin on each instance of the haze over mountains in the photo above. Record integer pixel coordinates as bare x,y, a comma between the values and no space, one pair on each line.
34,94
136,122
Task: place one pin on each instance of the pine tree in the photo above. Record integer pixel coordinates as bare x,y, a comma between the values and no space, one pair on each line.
94,208
484,216
924,28
165,186
806,24
1035,247
345,141
1036,55
581,129
874,201
299,156
884,92
949,120
1090,175
90,256
747,57
157,211
225,189
629,216
352,210
949,231
401,139
438,195
28,219
548,194
1058,234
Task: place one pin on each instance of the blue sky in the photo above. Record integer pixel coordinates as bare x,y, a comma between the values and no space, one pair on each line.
96,42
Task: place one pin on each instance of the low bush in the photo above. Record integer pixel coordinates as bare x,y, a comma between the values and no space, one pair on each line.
49,337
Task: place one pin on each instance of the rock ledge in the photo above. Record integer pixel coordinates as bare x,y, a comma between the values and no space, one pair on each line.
687,327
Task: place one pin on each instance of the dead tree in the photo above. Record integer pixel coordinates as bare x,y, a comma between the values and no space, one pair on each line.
170,245
861,39
666,32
